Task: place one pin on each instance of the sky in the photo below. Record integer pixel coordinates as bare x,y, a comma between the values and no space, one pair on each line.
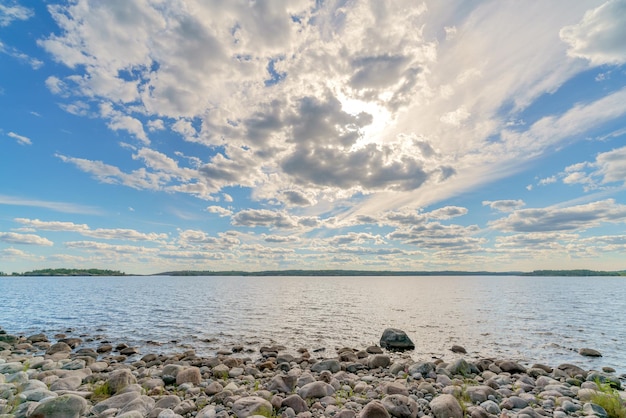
149,135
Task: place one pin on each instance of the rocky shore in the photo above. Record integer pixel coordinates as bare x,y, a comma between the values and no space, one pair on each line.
59,377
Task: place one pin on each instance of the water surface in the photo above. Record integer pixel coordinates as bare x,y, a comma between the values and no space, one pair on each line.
530,319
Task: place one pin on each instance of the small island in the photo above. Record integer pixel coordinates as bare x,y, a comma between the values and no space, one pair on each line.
69,272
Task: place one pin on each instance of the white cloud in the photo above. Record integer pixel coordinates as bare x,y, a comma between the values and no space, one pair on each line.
25,239
9,14
52,225
308,104
222,212
553,219
84,229
504,205
599,36
22,140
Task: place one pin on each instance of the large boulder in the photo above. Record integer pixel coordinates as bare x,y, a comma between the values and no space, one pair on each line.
446,406
374,409
252,405
66,406
395,339
400,406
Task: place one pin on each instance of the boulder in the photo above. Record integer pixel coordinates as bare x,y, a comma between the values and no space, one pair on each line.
374,409
296,403
189,375
316,390
329,364
252,405
119,379
59,347
589,352
400,406
446,406
66,406
378,360
395,339
284,384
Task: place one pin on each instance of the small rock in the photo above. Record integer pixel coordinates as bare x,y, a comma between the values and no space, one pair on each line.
458,349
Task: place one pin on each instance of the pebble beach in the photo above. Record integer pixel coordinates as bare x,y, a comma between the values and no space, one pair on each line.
59,376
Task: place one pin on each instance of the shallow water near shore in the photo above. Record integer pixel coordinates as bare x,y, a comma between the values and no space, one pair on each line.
529,319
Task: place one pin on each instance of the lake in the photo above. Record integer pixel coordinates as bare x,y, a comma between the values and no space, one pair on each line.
529,319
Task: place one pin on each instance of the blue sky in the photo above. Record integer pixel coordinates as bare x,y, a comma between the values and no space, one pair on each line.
148,136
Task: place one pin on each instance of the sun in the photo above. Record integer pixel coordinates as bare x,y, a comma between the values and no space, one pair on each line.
382,119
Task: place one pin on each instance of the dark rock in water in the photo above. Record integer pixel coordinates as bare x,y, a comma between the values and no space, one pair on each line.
458,349
589,352
395,339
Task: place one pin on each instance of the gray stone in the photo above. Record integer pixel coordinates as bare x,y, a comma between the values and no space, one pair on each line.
189,375
130,414
396,388
329,364
378,360
480,393
168,413
168,402
213,388
422,368
400,406
570,407
59,347
458,349
284,384
589,352
185,407
304,379
296,403
252,405
316,390
37,395
172,369
395,339
514,402
116,401
10,368
511,367
66,406
374,409
119,379
446,406
593,409
460,367
142,404
77,364
491,407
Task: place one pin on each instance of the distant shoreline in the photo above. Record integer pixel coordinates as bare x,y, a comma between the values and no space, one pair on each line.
64,272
